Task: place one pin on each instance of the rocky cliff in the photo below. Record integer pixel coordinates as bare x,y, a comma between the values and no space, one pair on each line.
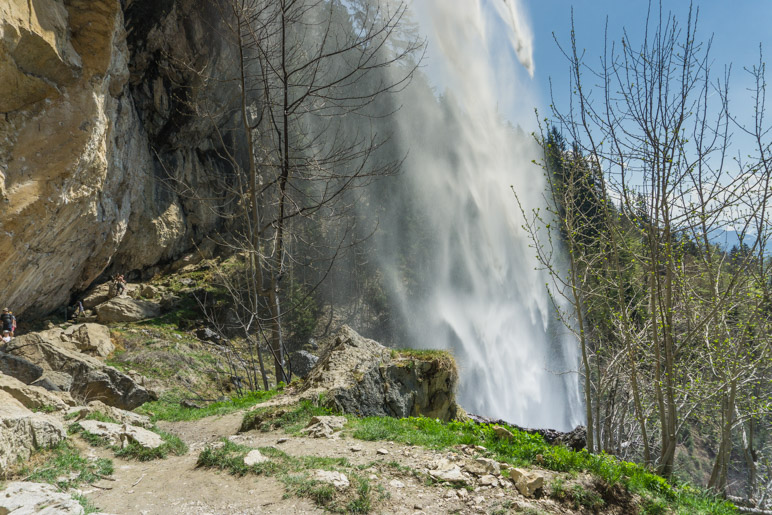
97,134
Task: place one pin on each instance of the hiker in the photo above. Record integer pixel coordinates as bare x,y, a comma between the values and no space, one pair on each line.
120,285
78,310
8,321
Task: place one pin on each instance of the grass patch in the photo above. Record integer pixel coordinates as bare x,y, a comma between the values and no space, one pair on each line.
291,419
168,408
88,506
522,450
293,472
64,467
443,358
172,444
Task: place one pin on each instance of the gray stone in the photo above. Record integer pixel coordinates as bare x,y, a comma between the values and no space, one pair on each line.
336,479
22,431
254,457
527,482
20,368
302,363
54,381
451,475
204,333
324,426
122,416
125,309
34,397
91,339
91,378
122,434
22,498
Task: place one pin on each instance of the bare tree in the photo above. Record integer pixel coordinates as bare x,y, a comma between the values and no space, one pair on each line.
311,77
655,125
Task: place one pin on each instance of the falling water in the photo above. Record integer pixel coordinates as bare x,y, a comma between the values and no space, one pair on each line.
485,300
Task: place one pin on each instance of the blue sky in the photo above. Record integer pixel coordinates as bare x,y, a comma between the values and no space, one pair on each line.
737,28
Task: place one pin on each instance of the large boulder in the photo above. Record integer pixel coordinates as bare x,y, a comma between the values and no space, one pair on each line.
35,397
22,431
91,339
20,368
97,295
126,309
361,376
39,498
91,378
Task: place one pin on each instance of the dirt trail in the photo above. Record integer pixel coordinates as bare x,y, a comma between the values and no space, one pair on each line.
175,486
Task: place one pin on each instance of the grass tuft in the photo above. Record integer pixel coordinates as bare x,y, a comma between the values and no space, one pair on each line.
64,467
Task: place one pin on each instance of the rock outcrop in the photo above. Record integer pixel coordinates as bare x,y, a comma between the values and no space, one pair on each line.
39,498
95,103
22,431
361,376
35,397
89,378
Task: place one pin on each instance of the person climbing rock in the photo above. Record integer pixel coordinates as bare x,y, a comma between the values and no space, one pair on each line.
78,310
120,285
8,321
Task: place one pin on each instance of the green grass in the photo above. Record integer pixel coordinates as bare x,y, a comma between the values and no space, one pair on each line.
521,450
168,408
292,471
64,467
88,506
291,419
172,444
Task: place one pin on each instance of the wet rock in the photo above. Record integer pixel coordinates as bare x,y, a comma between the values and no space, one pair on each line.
575,439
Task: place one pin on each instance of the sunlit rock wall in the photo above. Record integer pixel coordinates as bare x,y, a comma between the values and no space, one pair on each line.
96,134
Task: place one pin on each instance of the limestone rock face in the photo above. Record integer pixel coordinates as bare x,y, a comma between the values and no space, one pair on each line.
93,103
363,377
91,378
22,431
40,498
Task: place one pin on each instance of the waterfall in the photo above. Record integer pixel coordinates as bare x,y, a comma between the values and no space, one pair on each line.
480,293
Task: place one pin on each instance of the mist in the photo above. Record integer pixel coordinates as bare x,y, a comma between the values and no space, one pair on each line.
456,261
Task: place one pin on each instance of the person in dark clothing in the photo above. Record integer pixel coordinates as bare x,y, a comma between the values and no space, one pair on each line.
8,321
120,285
